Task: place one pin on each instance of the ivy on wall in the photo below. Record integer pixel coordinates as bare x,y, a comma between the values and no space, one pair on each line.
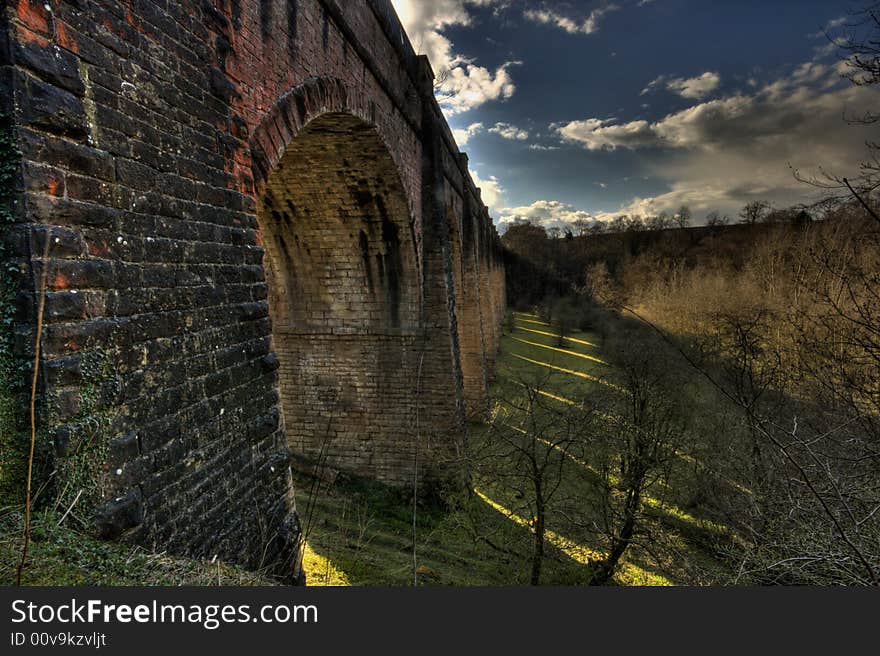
13,439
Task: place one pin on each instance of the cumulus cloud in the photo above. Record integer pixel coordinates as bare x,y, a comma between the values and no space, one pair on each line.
692,88
462,83
722,153
586,25
508,131
547,213
599,134
467,86
463,135
785,113
699,197
491,191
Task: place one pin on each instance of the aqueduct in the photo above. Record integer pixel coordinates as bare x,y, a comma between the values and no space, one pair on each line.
254,240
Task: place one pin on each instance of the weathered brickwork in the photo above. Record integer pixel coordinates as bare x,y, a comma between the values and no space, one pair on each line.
262,244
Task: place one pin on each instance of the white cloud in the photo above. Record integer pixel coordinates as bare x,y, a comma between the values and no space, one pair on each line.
463,85
784,113
508,131
463,135
604,134
699,197
491,191
548,213
723,153
695,87
692,88
587,25
467,86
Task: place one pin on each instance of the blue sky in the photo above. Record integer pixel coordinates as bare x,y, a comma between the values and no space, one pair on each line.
588,109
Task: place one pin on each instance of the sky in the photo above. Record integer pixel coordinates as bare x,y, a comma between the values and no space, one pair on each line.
589,109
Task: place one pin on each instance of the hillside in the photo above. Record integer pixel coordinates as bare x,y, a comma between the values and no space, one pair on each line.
61,555
539,266
361,533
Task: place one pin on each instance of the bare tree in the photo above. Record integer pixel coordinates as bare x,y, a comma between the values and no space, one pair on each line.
714,218
754,212
563,320
581,227
640,438
797,351
858,44
530,441
683,216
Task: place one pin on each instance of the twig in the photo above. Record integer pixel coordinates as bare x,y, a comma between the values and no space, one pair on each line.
861,200
314,488
33,403
758,423
69,508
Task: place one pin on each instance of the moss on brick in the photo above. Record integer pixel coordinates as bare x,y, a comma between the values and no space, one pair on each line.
13,442
81,470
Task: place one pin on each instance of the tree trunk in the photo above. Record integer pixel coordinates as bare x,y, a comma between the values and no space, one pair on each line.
538,550
605,570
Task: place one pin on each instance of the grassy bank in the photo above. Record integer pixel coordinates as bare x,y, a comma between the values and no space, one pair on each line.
362,534
61,555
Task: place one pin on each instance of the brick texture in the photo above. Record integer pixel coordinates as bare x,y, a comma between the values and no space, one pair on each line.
260,224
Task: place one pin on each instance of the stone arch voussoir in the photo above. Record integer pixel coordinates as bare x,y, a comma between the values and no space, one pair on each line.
294,111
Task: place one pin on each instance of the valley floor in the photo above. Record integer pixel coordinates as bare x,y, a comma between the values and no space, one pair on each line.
362,534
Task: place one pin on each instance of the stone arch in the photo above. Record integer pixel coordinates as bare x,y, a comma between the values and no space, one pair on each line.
342,270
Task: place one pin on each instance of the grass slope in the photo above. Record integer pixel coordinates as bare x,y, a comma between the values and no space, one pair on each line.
362,534
61,555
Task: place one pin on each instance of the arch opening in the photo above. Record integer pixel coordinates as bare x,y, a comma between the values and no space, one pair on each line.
344,292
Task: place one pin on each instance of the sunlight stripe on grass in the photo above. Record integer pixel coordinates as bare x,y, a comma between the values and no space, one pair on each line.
571,372
678,513
651,502
560,350
578,552
572,457
320,570
540,323
570,339
561,399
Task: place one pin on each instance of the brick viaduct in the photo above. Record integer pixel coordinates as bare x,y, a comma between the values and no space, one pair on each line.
256,241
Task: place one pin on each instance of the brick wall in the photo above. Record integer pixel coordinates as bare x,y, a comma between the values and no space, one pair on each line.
250,249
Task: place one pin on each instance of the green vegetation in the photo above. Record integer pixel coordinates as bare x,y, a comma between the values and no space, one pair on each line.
775,349
13,441
81,470
361,533
60,555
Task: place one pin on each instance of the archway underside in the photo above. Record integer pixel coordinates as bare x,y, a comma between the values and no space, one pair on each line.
344,295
